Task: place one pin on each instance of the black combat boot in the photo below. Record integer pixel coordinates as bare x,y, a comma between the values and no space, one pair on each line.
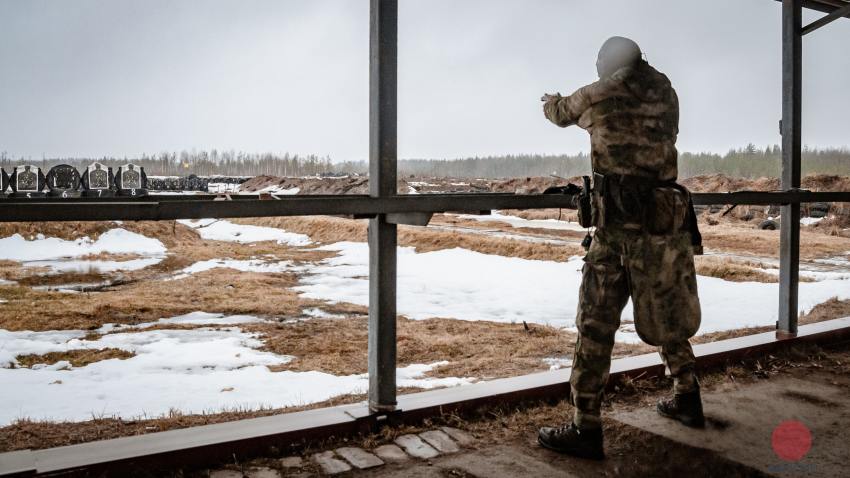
684,407
571,440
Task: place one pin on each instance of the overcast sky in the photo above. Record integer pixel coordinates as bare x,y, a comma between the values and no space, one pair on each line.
123,77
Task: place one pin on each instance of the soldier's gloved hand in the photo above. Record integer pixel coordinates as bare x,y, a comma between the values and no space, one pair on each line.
547,97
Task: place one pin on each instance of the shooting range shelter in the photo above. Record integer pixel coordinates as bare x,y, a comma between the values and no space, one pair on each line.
385,210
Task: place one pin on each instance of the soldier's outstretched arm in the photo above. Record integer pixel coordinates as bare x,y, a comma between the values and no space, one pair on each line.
566,110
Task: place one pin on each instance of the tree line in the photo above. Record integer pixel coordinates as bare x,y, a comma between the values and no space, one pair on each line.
200,163
747,162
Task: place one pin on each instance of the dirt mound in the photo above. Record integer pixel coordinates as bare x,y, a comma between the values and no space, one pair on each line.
341,185
714,183
721,183
529,185
408,185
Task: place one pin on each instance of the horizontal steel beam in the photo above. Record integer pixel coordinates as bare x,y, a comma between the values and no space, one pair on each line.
210,445
756,198
200,207
827,19
826,6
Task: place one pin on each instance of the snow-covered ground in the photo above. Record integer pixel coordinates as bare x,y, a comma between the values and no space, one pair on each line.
249,265
468,285
277,190
221,230
515,221
207,369
114,241
98,266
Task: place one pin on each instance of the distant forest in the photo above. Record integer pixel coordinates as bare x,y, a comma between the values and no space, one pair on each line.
748,162
200,163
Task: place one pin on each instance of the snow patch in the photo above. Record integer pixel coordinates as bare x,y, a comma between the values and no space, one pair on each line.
114,241
221,230
468,285
187,370
318,313
555,363
96,266
515,221
251,265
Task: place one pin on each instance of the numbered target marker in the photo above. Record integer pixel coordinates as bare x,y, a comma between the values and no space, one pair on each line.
27,181
131,180
63,181
98,181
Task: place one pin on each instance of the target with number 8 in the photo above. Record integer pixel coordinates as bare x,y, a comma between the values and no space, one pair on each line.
131,180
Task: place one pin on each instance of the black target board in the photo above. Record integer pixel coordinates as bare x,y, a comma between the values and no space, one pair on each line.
63,181
98,181
27,181
131,180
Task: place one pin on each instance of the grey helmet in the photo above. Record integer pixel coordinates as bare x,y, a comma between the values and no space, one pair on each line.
616,53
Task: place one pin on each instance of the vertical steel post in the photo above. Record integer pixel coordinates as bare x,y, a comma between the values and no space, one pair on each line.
789,242
383,45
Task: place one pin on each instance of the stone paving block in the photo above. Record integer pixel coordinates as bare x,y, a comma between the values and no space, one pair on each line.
461,437
391,453
329,463
292,462
262,472
414,446
359,457
439,440
225,474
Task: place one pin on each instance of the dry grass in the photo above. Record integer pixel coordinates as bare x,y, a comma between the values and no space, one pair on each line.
144,301
537,214
750,241
77,358
831,309
29,434
735,271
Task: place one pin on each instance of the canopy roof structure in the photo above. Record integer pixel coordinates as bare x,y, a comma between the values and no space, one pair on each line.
827,6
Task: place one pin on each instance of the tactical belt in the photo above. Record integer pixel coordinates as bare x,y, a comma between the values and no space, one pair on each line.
628,200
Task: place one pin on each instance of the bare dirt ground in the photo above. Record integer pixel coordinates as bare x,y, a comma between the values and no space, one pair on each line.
745,401
480,349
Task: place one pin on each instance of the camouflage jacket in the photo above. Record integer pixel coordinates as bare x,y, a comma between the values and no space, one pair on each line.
632,118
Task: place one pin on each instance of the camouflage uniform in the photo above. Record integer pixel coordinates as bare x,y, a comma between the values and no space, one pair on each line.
632,117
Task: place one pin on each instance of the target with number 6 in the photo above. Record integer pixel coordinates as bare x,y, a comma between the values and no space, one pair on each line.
63,181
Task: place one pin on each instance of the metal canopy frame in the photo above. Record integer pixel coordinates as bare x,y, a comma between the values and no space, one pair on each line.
385,208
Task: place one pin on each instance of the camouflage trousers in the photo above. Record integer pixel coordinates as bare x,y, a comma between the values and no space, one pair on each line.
657,272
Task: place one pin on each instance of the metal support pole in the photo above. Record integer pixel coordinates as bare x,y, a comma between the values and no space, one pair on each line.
383,45
789,241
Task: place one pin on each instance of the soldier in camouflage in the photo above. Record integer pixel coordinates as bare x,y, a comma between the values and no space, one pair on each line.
644,241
